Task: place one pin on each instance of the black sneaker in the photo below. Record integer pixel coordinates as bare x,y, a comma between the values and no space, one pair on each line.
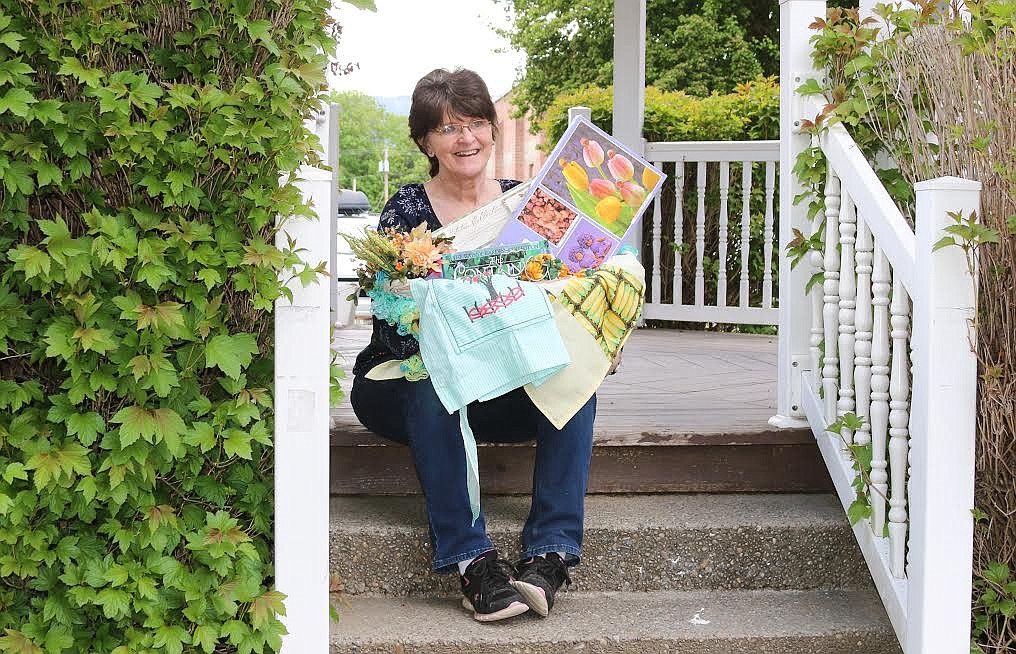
539,577
488,589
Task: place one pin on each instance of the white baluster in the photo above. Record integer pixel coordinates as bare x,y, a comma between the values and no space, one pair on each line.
878,409
767,239
831,289
848,295
862,333
678,231
815,338
700,236
745,230
899,419
721,278
657,232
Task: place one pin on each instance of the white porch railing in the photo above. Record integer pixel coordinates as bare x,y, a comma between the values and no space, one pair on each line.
754,165
857,350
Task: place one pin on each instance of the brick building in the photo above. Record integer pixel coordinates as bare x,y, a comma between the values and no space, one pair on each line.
515,153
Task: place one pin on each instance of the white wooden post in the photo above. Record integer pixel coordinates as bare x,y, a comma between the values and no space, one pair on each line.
630,82
575,112
795,306
942,426
301,424
332,151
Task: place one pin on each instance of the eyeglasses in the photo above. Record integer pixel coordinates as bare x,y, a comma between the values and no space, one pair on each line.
452,129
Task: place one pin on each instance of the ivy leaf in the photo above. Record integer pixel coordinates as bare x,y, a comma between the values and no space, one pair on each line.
86,426
30,259
201,435
48,111
135,422
95,339
266,607
16,101
996,573
206,638
168,428
18,178
46,173
15,642
811,87
58,638
89,76
15,470
237,443
230,353
859,509
171,638
115,603
12,40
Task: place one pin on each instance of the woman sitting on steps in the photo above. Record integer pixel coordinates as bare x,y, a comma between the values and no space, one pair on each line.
454,123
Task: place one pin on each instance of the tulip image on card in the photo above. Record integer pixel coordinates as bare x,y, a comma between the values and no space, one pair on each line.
607,185
591,173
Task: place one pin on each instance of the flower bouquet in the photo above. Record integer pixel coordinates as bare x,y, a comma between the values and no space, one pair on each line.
391,258
395,256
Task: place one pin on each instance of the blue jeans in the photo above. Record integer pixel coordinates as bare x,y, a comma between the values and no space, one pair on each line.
411,413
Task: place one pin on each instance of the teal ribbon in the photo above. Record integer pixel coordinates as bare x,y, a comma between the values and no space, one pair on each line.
472,466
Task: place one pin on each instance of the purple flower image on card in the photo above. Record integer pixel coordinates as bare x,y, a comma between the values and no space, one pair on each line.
587,246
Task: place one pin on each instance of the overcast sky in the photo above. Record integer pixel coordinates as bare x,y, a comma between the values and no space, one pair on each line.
406,39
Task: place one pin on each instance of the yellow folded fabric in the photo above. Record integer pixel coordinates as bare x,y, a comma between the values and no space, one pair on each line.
608,302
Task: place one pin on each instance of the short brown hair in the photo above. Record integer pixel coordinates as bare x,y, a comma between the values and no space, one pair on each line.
461,92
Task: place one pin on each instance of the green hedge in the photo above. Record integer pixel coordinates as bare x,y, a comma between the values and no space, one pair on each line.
141,149
750,113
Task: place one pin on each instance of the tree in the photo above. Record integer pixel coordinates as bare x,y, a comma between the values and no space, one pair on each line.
698,46
364,130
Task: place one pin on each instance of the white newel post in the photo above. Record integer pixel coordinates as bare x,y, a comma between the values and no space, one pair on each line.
575,112
942,426
302,351
332,152
795,307
630,82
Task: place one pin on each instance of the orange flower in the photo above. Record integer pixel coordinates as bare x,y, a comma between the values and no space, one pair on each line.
534,270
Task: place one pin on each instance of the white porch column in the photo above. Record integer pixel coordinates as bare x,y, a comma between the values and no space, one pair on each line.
630,82
795,306
331,147
943,417
302,352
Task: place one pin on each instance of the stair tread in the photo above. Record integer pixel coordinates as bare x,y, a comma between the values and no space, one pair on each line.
619,512
716,621
631,542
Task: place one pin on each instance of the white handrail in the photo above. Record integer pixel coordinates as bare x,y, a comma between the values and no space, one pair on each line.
870,197
895,319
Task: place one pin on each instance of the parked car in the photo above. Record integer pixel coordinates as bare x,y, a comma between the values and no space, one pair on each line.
353,216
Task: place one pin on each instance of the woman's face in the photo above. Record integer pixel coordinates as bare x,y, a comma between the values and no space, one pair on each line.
462,145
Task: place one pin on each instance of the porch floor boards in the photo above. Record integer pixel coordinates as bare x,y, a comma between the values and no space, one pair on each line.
671,384
686,412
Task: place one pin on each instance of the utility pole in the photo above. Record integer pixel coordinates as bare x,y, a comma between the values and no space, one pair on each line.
382,167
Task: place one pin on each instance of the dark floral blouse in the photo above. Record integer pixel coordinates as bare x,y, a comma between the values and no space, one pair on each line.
409,207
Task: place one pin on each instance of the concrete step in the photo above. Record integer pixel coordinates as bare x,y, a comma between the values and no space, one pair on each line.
689,622
632,543
652,460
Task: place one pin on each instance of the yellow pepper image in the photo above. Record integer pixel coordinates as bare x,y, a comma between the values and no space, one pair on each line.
608,209
649,178
574,174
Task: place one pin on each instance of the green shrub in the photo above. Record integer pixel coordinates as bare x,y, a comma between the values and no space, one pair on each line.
751,112
141,150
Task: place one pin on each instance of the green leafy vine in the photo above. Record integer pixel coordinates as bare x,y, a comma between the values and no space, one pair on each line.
146,150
